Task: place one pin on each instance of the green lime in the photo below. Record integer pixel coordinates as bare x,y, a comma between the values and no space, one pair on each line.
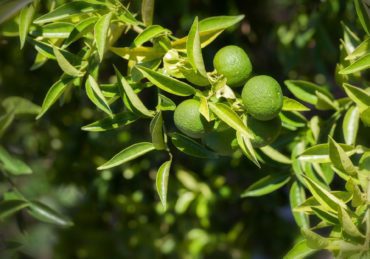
189,120
220,141
264,132
232,62
262,97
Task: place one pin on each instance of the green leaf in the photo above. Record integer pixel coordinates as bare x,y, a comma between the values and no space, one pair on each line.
166,83
128,154
156,130
275,155
340,159
125,87
358,96
320,153
204,109
292,105
55,91
190,146
365,117
247,148
306,91
325,103
20,106
44,213
292,119
314,241
65,65
56,30
101,33
357,66
165,103
114,122
209,29
296,197
9,207
323,196
5,122
25,20
361,50
227,115
194,50
8,8
68,10
95,94
347,224
149,33
350,125
183,202
13,165
80,30
162,182
266,185
147,11
325,215
362,11
299,251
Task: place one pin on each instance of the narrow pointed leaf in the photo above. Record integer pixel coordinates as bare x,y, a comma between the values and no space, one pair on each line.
80,29
293,105
299,251
125,87
147,11
166,83
323,196
194,50
8,8
190,146
340,159
275,155
156,130
149,33
227,115
320,153
363,15
113,122
20,106
65,65
101,33
68,10
266,185
361,50
247,148
55,91
95,94
357,66
357,95
44,213
296,197
350,125
9,207
25,20
162,182
128,154
347,224
305,91
314,241
13,165
204,109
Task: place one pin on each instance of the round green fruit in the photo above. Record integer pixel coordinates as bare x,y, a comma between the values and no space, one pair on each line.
188,119
262,97
264,132
233,62
220,141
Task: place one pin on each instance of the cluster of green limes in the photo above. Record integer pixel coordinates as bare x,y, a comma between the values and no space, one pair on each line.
261,95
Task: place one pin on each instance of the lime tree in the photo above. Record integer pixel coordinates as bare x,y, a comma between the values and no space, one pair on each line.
264,132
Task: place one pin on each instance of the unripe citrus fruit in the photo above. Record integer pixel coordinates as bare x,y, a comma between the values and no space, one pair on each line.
264,132
232,62
220,141
262,97
188,119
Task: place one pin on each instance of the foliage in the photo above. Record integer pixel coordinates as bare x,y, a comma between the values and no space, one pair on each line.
321,155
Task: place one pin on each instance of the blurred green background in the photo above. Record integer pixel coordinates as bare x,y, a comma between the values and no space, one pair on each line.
117,213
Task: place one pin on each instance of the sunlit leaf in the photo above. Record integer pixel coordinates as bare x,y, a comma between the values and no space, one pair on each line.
147,10
166,83
350,125
65,65
347,224
13,165
340,159
156,130
363,14
306,91
357,66
101,32
320,153
275,155
44,213
25,20
247,148
149,33
266,185
8,8
293,105
162,182
296,197
299,251
314,241
113,122
128,154
95,94
190,146
357,95
194,50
